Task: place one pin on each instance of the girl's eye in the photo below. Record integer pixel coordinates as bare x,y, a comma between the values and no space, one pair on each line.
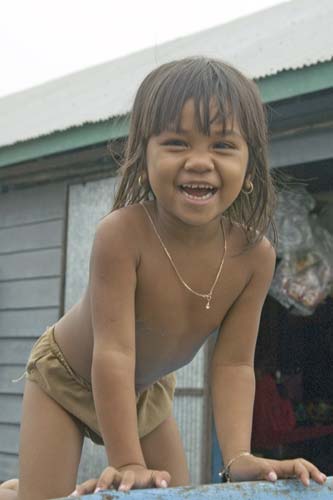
223,145
175,143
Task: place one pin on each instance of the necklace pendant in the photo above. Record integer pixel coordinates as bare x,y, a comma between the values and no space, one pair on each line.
209,298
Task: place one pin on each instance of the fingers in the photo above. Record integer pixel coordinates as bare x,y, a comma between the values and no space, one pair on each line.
128,480
144,479
300,468
272,476
84,488
268,472
161,479
305,470
124,481
109,478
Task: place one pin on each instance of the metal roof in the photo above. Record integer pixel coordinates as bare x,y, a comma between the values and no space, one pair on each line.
288,36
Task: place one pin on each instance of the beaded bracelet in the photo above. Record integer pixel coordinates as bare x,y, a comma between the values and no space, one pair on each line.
225,472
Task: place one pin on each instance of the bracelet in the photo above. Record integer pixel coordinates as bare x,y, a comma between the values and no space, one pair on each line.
225,472
132,463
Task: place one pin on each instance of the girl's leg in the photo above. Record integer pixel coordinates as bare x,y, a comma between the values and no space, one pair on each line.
6,494
11,484
50,447
8,490
163,450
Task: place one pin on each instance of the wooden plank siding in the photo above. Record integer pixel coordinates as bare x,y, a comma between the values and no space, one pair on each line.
32,235
10,408
26,322
9,373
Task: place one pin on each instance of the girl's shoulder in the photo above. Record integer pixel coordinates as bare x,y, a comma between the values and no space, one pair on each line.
126,219
257,260
261,248
122,227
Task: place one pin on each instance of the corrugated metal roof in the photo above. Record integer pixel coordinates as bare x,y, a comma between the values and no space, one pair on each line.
288,36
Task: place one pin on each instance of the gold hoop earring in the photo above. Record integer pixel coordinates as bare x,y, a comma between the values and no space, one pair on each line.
249,187
143,182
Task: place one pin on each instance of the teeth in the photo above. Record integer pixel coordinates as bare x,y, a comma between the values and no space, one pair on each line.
204,197
196,186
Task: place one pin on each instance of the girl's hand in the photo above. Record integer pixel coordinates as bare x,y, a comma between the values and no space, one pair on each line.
123,479
250,468
85,488
137,476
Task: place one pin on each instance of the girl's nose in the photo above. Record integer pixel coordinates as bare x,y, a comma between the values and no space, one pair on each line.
199,163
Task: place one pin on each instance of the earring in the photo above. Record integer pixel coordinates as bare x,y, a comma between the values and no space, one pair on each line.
248,187
143,181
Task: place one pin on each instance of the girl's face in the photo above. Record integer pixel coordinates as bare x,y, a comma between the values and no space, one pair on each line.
193,176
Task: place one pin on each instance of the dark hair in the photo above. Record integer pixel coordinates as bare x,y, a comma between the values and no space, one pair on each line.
158,104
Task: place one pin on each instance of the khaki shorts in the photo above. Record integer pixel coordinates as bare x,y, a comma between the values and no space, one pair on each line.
49,369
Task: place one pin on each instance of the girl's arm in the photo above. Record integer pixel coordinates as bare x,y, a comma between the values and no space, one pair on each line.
112,295
233,380
114,261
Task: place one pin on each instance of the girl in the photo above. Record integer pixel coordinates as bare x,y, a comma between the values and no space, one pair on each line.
182,254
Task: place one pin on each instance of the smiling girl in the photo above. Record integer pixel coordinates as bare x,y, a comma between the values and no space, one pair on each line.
183,254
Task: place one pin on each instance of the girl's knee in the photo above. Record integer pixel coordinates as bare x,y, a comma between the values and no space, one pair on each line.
9,489
7,494
11,484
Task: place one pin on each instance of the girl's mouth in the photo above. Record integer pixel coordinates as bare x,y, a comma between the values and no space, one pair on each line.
198,192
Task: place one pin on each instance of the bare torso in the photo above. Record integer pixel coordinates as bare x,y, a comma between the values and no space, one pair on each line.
171,322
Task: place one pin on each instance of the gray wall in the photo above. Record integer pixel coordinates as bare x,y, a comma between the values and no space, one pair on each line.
32,225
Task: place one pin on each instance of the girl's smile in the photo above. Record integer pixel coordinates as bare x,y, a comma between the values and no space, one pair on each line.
197,176
198,193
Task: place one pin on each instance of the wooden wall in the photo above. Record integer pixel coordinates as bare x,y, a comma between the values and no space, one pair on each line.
32,231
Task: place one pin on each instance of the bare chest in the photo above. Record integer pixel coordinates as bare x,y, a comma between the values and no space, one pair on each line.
165,304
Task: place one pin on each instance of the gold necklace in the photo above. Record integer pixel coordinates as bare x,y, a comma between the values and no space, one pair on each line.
207,296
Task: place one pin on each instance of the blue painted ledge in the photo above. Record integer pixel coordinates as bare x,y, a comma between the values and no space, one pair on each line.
255,490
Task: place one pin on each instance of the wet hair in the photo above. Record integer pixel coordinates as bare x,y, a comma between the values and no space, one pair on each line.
157,107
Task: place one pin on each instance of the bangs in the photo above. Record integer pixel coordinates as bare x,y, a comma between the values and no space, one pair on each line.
214,99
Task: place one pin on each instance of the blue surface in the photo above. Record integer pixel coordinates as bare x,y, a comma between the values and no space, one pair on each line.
256,490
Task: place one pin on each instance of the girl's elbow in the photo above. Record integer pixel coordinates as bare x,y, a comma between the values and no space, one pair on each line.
112,363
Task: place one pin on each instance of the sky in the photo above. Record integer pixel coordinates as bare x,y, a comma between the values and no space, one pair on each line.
45,39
